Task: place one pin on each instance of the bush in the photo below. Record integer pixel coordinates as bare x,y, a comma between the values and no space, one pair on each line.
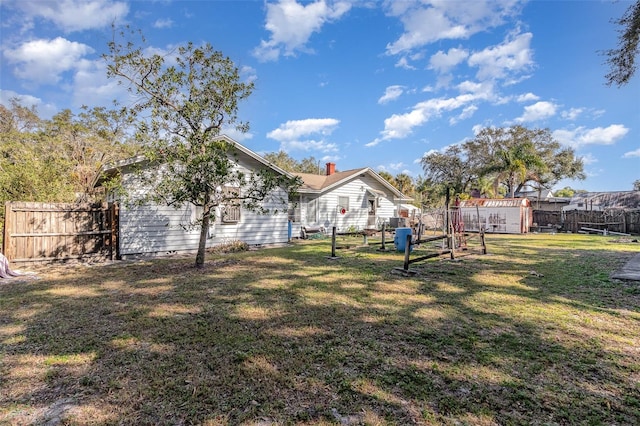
234,246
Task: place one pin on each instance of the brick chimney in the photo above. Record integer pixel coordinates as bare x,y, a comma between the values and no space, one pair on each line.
331,168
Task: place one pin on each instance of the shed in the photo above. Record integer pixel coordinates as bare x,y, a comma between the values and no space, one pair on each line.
499,215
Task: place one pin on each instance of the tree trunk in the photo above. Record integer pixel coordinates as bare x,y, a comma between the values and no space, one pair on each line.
204,231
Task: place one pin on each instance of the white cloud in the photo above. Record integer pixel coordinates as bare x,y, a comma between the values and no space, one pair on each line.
91,86
42,61
527,97
582,136
291,24
484,90
76,15
163,23
234,134
428,21
572,114
296,128
396,166
296,134
400,126
308,145
391,93
632,154
44,110
538,111
588,159
467,112
404,63
511,57
249,73
442,62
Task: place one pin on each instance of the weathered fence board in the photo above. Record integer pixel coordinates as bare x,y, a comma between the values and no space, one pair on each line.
625,221
57,231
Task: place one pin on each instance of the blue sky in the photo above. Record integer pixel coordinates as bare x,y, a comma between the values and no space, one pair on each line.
359,83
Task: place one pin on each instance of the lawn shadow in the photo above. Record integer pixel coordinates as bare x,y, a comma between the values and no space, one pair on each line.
288,336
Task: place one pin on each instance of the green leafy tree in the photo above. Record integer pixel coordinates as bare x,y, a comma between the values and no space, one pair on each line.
88,141
622,60
636,185
517,156
31,169
449,172
286,162
428,194
187,102
310,165
387,176
404,183
283,160
566,192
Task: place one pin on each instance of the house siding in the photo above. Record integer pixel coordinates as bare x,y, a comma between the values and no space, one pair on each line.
357,214
160,229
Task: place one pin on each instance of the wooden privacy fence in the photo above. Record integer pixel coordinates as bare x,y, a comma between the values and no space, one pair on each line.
56,231
625,221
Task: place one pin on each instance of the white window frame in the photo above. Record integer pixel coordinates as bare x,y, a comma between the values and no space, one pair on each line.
343,203
312,210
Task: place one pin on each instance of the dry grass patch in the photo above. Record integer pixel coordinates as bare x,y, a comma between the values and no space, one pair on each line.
285,336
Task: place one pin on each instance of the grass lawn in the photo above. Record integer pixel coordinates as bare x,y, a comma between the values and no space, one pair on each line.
535,332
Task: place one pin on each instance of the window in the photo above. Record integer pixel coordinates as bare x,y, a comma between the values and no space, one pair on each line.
230,211
294,213
343,204
312,211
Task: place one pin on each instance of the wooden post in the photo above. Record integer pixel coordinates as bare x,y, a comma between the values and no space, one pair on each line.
482,242
6,241
114,225
383,248
407,251
333,244
451,241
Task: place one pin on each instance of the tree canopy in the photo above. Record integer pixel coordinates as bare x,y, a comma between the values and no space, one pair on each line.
59,159
286,162
183,101
622,60
508,158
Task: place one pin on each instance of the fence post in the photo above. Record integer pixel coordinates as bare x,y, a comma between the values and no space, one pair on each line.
407,251
482,242
333,243
383,247
6,241
114,226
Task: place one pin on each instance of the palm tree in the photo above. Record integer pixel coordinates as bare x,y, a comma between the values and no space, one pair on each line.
513,164
404,183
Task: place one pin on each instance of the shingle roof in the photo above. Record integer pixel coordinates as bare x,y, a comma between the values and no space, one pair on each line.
320,182
609,200
495,202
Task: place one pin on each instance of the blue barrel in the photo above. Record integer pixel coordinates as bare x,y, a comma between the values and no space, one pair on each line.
400,239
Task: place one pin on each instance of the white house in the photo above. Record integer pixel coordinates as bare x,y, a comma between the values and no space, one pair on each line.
350,200
160,229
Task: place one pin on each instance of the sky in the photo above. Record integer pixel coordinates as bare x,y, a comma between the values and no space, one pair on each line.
374,84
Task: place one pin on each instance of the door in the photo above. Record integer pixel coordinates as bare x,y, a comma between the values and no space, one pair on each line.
371,219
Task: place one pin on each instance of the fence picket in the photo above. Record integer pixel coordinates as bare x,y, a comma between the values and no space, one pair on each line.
57,231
